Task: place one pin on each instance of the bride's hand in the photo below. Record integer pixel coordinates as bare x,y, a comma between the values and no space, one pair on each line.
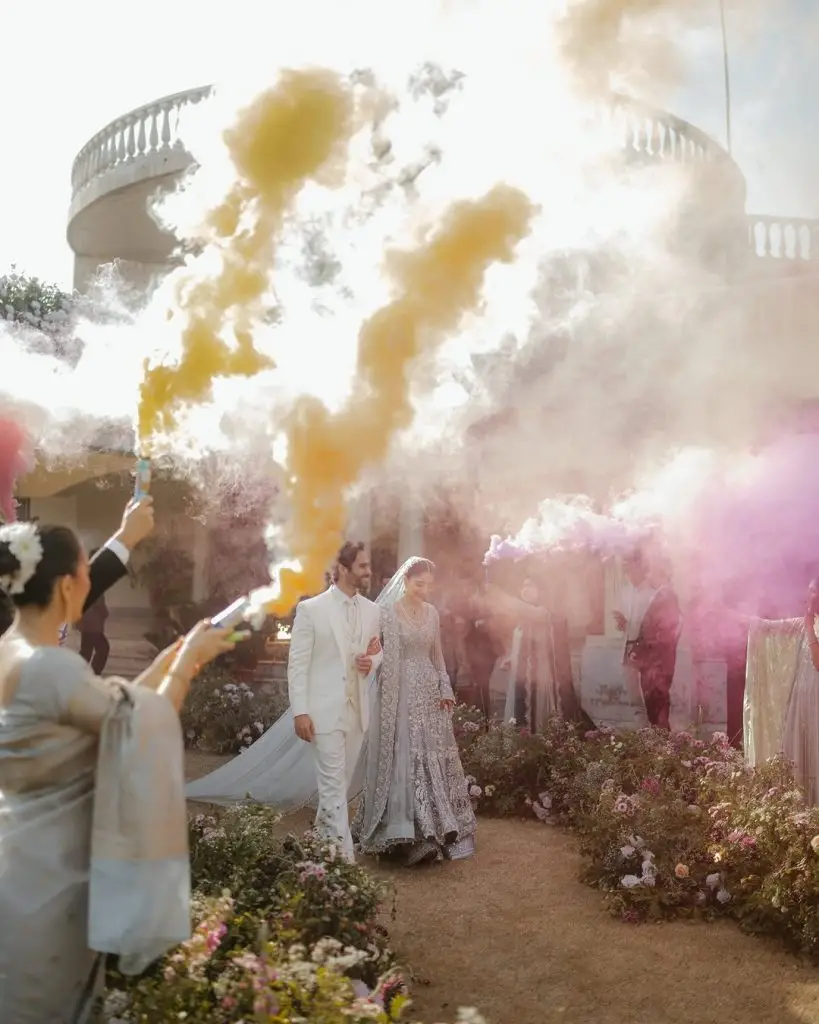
447,705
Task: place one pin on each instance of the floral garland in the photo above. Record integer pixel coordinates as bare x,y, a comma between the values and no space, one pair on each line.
24,544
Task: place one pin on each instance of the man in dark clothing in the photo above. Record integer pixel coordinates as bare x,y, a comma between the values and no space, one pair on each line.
654,652
94,646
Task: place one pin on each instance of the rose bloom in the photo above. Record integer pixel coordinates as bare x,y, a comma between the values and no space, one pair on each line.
681,871
814,844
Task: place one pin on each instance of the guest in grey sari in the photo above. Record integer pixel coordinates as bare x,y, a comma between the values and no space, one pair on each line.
93,829
415,797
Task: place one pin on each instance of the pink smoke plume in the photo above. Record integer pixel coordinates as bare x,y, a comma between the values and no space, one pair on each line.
746,528
14,463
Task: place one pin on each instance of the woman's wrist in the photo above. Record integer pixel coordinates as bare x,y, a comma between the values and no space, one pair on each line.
183,665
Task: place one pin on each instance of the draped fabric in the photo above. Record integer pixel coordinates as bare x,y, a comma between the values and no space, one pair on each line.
774,654
781,711
782,700
93,835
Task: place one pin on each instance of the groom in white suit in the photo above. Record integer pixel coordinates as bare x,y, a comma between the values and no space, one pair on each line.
334,648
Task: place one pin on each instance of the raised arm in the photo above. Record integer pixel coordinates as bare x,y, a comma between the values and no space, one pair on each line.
110,564
447,693
299,658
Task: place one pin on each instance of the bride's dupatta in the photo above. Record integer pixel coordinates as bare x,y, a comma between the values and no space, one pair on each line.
139,884
386,777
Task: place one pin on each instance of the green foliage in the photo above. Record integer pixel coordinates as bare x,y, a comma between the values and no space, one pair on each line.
223,716
31,302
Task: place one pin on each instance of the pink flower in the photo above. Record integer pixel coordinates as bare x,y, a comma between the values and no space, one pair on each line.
214,937
681,871
651,785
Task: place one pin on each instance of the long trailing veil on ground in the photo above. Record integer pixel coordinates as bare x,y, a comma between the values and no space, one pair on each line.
278,769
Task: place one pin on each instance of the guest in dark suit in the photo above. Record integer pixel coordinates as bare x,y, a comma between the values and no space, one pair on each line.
110,563
654,652
94,646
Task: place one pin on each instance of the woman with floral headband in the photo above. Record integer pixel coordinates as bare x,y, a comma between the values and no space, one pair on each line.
93,830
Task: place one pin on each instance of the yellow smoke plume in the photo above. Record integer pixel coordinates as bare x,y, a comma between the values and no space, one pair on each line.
615,44
435,285
288,135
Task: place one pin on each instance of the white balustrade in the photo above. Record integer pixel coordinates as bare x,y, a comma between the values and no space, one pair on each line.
659,135
152,129
640,130
784,238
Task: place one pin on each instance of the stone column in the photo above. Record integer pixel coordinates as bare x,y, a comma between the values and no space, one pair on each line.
410,529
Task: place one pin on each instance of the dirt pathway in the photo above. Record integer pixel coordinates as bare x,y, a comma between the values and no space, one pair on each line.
514,933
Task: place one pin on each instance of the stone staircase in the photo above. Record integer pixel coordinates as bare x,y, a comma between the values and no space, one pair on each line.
130,651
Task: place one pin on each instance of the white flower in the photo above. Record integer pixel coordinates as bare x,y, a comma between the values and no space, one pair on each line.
475,791
489,790
546,800
630,881
627,851
24,543
540,812
712,881
724,896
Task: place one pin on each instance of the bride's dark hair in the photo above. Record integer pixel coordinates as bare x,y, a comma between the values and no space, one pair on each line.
419,568
61,557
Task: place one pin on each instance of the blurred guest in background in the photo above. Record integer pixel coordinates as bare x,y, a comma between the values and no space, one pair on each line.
94,646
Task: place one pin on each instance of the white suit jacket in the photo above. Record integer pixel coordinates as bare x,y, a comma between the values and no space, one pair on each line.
319,660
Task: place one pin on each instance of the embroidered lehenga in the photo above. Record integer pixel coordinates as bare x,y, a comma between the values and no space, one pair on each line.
415,799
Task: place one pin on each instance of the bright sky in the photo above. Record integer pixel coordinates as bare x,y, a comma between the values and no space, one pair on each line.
68,69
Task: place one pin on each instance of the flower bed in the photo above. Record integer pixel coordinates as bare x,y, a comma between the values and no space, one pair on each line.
285,930
223,716
670,825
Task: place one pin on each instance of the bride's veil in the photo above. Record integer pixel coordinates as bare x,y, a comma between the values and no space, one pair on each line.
278,769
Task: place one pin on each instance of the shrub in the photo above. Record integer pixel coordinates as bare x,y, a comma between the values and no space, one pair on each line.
225,717
299,940
302,883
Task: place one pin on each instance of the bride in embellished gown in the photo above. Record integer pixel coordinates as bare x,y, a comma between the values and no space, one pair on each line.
415,797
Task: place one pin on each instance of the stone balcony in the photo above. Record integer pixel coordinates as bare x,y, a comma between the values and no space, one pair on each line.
142,153
113,179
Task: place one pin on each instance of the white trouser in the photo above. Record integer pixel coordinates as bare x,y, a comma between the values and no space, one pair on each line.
336,754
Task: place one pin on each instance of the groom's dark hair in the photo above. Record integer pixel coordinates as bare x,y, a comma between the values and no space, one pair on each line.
347,555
